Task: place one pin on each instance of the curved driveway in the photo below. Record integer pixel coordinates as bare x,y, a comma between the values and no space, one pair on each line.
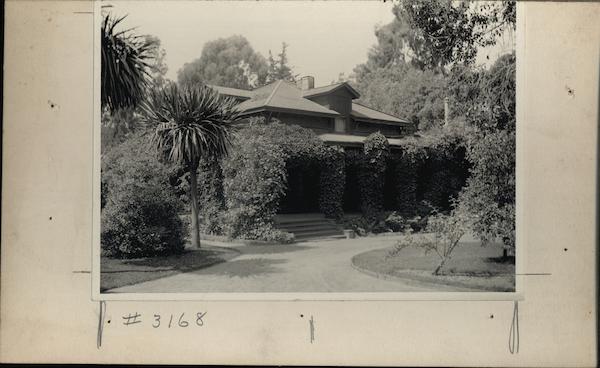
315,266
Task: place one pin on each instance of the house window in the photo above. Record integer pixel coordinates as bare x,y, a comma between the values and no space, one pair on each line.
340,125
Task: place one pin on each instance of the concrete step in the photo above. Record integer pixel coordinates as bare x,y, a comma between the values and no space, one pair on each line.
318,233
309,226
301,221
320,238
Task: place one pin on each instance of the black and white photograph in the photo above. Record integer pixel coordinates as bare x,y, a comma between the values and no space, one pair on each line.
307,147
300,182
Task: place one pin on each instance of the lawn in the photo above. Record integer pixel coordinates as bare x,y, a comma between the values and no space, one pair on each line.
115,273
471,265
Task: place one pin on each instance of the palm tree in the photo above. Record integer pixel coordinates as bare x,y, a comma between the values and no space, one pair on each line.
191,123
126,63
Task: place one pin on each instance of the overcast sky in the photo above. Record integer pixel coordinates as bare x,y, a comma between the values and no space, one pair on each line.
325,37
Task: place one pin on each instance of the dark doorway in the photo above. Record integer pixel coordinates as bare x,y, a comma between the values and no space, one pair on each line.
302,195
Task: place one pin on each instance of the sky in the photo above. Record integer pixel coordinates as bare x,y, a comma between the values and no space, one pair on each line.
325,38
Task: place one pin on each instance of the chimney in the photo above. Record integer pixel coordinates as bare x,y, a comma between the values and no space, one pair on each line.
306,83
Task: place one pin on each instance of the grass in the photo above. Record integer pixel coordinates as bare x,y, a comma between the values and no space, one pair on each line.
471,266
115,273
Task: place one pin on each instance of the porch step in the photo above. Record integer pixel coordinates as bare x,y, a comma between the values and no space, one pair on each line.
299,227
309,226
318,234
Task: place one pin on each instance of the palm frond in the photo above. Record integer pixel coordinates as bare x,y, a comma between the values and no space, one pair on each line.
189,123
126,60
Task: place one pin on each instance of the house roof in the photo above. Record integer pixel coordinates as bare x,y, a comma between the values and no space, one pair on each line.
353,139
235,92
287,97
361,112
313,92
283,95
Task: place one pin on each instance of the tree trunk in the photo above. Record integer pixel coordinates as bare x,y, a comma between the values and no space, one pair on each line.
194,206
439,268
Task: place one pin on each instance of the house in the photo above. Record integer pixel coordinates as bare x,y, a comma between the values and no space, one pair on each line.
330,111
334,114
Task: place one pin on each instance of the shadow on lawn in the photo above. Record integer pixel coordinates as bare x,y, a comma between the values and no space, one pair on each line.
243,268
189,260
115,273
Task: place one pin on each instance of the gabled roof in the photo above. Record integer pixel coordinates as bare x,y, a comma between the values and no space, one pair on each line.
285,96
361,112
314,92
235,92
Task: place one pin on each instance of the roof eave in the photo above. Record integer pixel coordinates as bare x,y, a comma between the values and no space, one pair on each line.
378,121
291,111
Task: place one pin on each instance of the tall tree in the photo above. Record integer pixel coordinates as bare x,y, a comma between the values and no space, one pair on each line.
191,123
126,62
429,46
489,195
446,32
158,66
279,68
451,33
404,91
229,62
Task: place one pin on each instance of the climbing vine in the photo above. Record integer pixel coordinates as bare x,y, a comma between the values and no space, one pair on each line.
211,198
371,174
405,183
333,180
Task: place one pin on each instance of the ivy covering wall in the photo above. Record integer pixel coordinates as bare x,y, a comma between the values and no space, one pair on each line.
371,174
211,198
333,181
405,168
242,195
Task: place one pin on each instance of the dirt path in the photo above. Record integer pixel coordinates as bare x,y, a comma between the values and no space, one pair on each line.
321,266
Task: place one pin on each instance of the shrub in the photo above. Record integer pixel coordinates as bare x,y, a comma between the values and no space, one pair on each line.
417,223
395,222
446,230
489,195
384,222
360,225
140,216
141,221
278,236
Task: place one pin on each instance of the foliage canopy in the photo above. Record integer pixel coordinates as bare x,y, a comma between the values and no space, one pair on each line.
228,62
